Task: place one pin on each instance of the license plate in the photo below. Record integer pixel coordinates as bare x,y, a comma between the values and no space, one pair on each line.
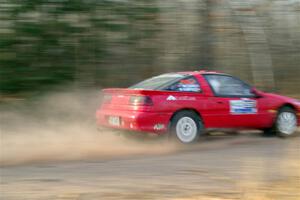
114,121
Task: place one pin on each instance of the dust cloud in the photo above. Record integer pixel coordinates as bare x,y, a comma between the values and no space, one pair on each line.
62,127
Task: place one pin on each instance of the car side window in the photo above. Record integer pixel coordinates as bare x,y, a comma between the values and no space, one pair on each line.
189,84
224,85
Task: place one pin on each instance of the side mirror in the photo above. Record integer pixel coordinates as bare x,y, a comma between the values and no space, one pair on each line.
257,93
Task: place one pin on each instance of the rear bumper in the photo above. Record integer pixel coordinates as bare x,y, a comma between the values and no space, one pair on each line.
134,120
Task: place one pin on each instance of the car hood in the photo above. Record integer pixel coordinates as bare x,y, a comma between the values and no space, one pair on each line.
283,98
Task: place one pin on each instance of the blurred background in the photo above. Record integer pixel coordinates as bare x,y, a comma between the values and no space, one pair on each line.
45,44
58,54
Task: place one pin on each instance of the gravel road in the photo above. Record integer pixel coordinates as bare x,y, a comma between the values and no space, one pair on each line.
246,166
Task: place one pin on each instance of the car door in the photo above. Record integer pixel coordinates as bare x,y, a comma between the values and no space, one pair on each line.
233,104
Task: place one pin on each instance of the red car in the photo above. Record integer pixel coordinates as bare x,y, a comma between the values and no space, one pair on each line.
185,104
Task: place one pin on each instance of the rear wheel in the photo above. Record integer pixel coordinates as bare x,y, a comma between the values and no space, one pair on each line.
186,127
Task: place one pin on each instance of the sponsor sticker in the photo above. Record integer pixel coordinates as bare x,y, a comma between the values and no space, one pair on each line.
171,98
159,126
184,98
243,106
189,88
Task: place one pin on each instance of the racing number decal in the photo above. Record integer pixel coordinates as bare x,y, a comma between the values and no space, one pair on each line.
243,106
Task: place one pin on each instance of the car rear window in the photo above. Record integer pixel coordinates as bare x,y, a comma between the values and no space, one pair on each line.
157,82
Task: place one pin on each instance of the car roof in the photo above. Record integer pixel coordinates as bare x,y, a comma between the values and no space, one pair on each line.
201,72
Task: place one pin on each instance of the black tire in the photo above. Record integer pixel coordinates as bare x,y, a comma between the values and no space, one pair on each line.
278,127
189,129
269,132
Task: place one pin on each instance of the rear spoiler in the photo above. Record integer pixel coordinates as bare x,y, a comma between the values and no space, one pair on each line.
128,91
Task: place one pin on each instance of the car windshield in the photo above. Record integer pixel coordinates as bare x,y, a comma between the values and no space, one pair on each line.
157,82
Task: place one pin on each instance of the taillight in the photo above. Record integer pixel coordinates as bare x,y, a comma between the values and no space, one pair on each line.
106,99
141,101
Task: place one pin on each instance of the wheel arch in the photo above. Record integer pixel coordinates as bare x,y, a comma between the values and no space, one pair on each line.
287,105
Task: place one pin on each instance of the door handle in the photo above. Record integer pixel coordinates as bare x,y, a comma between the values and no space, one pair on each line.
220,102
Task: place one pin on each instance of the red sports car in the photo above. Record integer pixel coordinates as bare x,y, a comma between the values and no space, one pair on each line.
185,104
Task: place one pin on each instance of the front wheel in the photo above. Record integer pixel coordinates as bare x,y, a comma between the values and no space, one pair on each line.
286,122
186,127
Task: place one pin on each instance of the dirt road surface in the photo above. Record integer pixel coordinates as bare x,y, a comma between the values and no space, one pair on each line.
246,166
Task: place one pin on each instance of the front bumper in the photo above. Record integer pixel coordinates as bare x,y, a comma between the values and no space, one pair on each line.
134,120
